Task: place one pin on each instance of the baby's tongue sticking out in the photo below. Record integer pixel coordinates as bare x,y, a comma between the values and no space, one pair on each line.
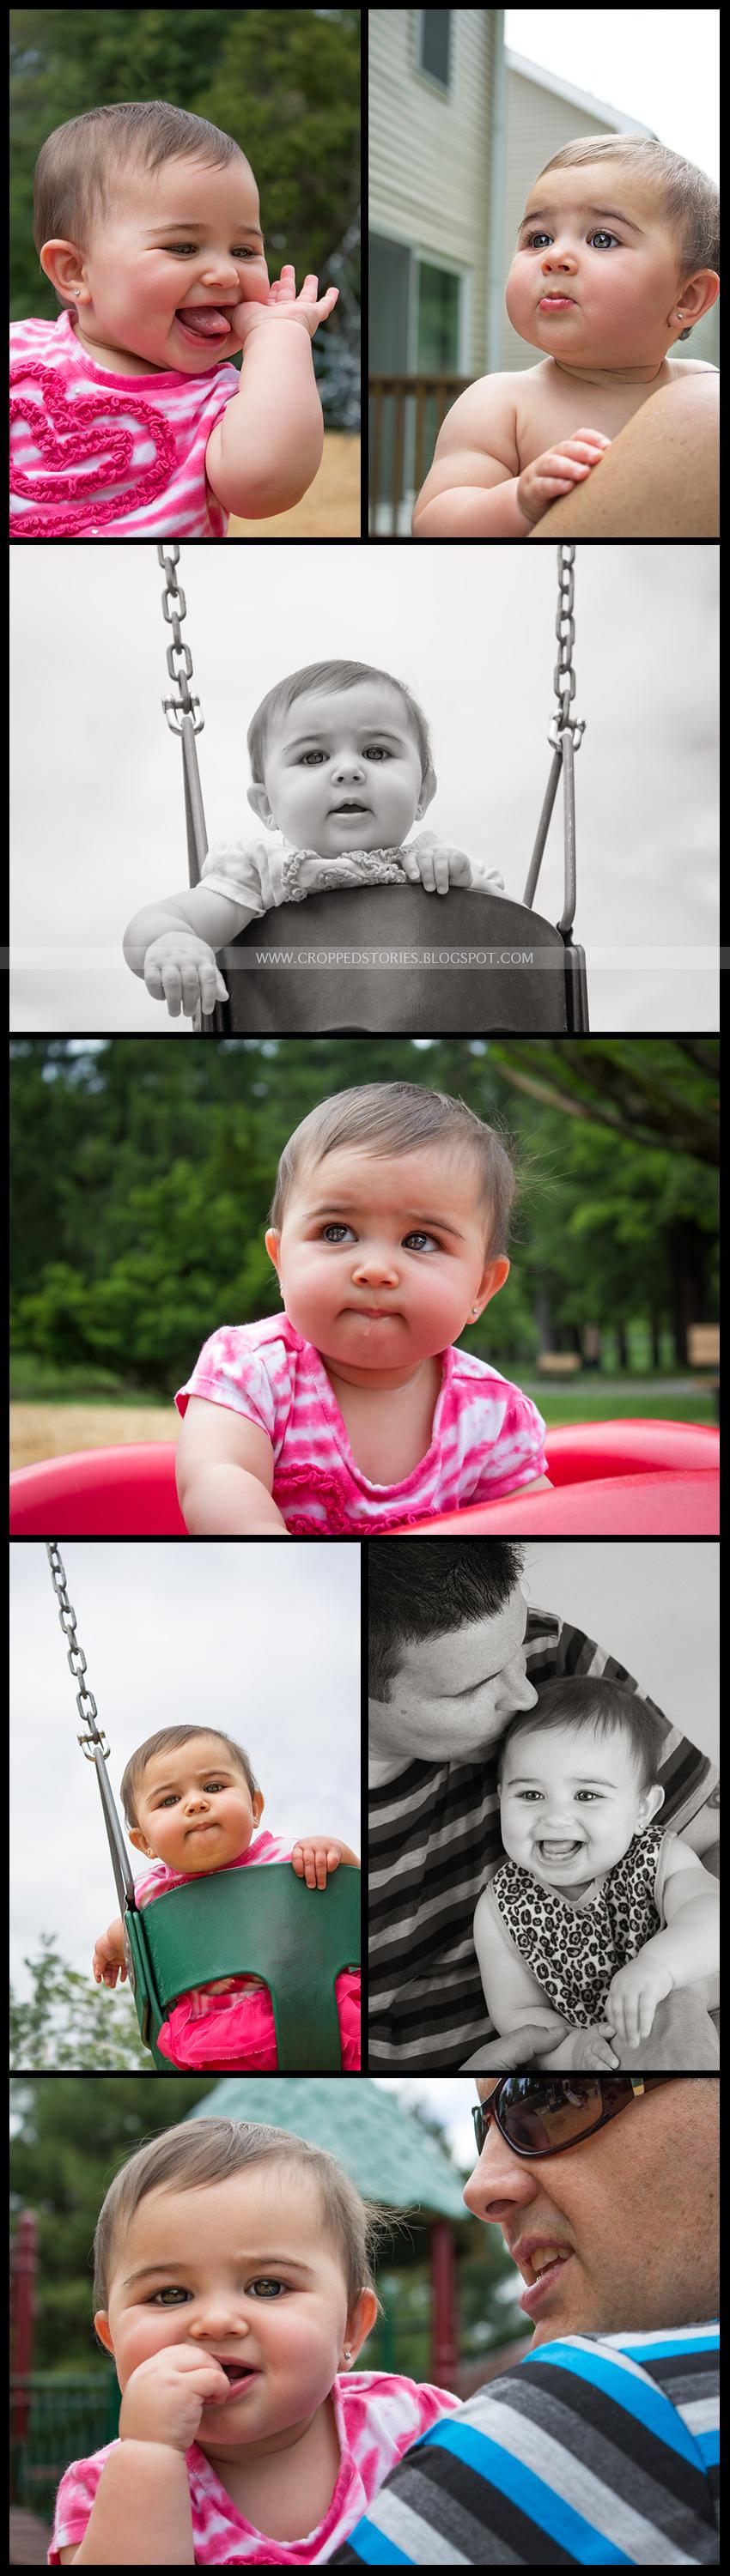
206,320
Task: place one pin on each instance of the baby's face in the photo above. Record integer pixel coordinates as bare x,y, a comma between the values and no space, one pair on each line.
346,748
380,1259
181,236
617,268
195,1809
239,2269
570,1803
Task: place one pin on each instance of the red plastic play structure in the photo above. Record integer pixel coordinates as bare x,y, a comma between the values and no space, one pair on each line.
611,1479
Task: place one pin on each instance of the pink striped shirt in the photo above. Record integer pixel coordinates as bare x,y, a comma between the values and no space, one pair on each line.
156,1880
378,2417
486,1437
93,454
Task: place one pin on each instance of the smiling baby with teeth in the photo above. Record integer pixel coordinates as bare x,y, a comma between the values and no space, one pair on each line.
596,1914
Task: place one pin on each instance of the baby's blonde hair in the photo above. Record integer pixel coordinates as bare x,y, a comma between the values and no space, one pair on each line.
688,202
82,164
395,1118
197,2152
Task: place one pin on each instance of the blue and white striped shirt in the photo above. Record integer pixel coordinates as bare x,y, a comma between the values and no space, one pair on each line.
596,2450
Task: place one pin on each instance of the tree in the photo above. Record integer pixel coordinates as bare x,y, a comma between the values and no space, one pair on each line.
67,2022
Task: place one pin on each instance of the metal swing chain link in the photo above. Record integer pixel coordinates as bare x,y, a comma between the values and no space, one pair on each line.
564,675
85,1701
174,609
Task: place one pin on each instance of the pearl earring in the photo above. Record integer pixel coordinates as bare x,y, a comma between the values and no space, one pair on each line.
348,2352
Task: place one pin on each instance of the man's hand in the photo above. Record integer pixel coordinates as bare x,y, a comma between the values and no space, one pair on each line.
284,305
317,1855
633,1996
549,476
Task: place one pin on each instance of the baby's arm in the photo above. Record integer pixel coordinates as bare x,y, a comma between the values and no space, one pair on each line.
108,1957
476,487
512,1995
225,1474
687,1949
265,452
172,945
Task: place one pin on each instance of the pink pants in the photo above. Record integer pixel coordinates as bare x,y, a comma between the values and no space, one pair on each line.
236,2032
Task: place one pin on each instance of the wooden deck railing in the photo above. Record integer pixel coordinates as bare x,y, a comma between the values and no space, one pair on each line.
406,413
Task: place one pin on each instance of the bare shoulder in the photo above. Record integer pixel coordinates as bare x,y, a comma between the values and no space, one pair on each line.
696,367
485,416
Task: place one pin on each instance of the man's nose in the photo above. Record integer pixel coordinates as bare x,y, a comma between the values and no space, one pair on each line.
516,1691
500,2182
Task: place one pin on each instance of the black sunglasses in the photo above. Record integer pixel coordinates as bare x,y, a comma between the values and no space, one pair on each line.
543,2115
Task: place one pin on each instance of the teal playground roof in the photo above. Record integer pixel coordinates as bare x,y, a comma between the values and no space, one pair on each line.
371,2131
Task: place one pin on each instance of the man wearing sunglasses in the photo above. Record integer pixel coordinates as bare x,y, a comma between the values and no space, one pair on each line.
601,2447
455,1650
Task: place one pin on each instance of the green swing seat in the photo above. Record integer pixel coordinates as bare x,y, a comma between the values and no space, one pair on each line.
266,1922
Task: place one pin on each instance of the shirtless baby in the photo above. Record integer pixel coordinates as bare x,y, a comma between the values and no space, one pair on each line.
617,257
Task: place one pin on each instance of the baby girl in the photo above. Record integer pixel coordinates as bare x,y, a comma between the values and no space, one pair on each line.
233,2285
192,1806
353,1411
597,1914
341,764
603,290
127,417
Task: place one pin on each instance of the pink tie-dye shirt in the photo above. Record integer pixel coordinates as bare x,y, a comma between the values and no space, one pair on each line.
378,2417
486,1437
93,454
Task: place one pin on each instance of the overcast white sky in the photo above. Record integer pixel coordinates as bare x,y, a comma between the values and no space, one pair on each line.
172,1635
658,65
97,826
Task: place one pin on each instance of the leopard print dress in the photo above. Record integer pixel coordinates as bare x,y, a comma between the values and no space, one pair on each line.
574,1948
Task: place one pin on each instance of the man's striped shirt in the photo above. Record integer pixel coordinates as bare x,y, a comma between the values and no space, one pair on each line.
434,1839
597,2450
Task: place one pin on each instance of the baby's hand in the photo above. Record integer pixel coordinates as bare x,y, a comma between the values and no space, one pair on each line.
164,2397
584,2050
284,305
181,970
313,1858
434,864
633,1996
106,1962
558,470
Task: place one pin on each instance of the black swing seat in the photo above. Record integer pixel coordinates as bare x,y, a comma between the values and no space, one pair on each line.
466,961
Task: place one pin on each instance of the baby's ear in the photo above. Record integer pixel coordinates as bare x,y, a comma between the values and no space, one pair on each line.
651,1802
259,802
426,794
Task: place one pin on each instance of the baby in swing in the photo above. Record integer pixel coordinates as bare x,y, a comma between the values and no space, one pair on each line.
127,417
233,2287
353,1411
596,1914
341,767
193,1806
603,292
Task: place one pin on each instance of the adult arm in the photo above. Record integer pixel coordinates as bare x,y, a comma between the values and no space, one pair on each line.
577,2456
659,477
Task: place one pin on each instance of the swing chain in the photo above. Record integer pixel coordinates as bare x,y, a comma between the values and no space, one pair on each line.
564,675
85,1701
174,609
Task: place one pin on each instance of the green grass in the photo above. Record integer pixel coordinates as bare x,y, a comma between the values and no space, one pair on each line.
584,1399
585,1402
